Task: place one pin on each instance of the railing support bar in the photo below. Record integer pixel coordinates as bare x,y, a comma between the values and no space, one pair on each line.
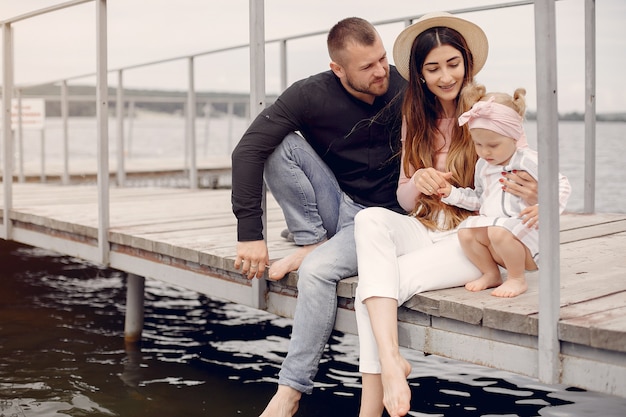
42,141
191,126
65,116
7,134
548,146
119,110
20,137
283,65
102,107
590,107
257,103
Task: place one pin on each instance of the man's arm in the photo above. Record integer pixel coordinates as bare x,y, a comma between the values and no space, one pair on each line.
265,133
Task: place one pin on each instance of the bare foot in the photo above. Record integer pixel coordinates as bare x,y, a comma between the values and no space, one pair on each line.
396,390
512,287
484,282
284,403
291,262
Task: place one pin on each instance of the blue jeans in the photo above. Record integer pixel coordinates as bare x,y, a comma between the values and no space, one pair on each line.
299,179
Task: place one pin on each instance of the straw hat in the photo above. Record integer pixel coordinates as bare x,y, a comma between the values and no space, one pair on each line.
474,36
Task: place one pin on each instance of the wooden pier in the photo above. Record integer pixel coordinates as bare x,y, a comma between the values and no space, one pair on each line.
188,238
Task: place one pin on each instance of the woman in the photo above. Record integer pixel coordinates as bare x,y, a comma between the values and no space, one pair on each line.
399,255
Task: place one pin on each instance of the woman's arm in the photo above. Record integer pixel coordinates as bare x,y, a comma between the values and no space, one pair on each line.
425,181
406,193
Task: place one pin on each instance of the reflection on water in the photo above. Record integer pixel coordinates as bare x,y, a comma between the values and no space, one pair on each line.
62,354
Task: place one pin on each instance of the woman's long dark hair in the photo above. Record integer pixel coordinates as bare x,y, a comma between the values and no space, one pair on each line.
421,111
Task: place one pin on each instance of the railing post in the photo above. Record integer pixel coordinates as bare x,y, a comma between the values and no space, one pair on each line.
548,146
20,136
590,107
119,107
283,65
191,126
7,134
230,117
102,107
130,115
207,126
42,141
257,103
64,116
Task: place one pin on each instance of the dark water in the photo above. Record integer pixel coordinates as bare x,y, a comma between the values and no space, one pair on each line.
62,354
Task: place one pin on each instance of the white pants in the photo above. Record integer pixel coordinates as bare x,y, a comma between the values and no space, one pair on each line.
399,257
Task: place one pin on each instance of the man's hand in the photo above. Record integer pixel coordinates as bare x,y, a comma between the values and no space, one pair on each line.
252,258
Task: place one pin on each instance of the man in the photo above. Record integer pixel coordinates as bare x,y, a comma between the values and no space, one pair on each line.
345,158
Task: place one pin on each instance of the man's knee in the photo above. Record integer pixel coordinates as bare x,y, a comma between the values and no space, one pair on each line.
318,272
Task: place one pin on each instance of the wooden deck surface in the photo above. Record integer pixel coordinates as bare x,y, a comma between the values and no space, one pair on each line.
188,237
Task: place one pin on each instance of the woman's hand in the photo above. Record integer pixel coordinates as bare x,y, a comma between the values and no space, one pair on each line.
530,216
429,181
521,184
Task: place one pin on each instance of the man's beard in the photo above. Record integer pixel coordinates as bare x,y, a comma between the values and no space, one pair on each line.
367,89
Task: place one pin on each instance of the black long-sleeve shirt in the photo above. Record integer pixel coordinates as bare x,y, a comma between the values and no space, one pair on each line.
359,142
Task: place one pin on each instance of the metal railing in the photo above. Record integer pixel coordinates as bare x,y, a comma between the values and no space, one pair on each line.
190,133
211,105
547,127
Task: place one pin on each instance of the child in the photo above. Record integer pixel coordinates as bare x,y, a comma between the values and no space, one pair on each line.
505,231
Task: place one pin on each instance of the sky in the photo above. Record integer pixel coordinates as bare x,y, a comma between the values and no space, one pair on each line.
62,44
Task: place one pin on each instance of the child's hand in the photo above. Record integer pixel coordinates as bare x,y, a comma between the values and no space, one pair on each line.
445,190
428,180
443,186
530,216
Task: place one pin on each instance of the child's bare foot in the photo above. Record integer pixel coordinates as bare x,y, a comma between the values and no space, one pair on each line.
484,282
512,287
290,262
396,390
284,403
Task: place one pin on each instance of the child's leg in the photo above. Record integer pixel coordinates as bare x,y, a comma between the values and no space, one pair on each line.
476,245
514,256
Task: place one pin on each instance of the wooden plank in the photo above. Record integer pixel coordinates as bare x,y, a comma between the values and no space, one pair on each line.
579,320
603,329
597,230
569,221
588,307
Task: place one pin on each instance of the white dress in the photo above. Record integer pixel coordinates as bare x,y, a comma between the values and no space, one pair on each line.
499,208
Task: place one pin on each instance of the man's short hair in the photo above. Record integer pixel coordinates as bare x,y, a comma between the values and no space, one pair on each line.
351,29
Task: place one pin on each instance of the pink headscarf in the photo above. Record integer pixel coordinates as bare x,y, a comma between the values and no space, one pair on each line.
487,114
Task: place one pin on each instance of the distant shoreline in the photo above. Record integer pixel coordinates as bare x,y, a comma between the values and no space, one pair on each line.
580,117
